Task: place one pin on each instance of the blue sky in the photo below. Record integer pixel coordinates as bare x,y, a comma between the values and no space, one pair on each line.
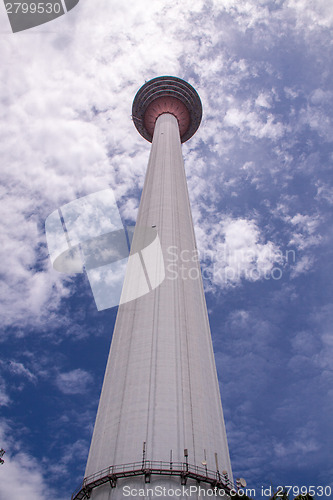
259,172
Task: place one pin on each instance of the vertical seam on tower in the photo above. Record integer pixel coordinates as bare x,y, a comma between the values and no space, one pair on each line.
155,334
186,333
152,380
179,291
204,437
178,340
129,350
152,330
208,339
124,388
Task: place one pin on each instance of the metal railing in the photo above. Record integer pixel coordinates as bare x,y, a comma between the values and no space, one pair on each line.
148,468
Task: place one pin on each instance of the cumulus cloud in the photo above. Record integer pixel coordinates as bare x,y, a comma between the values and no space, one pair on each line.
76,136
262,72
254,124
246,254
236,251
68,127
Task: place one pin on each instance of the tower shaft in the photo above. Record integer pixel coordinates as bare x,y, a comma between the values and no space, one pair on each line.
160,385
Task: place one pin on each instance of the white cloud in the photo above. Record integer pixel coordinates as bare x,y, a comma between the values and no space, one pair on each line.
22,476
69,456
314,348
305,342
324,192
264,100
235,250
289,450
4,398
71,110
306,222
303,264
67,132
322,320
67,127
318,120
19,369
310,14
304,233
320,97
74,382
306,236
253,123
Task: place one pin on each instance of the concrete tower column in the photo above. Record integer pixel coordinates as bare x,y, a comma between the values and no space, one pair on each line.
160,419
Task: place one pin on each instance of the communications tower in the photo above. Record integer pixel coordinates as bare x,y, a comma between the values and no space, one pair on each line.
159,421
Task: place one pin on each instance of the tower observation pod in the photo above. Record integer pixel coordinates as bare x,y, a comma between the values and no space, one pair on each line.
159,426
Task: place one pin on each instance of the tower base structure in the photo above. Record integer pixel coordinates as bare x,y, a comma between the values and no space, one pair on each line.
160,424
152,480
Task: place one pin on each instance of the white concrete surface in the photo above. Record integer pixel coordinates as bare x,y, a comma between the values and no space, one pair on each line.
160,383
